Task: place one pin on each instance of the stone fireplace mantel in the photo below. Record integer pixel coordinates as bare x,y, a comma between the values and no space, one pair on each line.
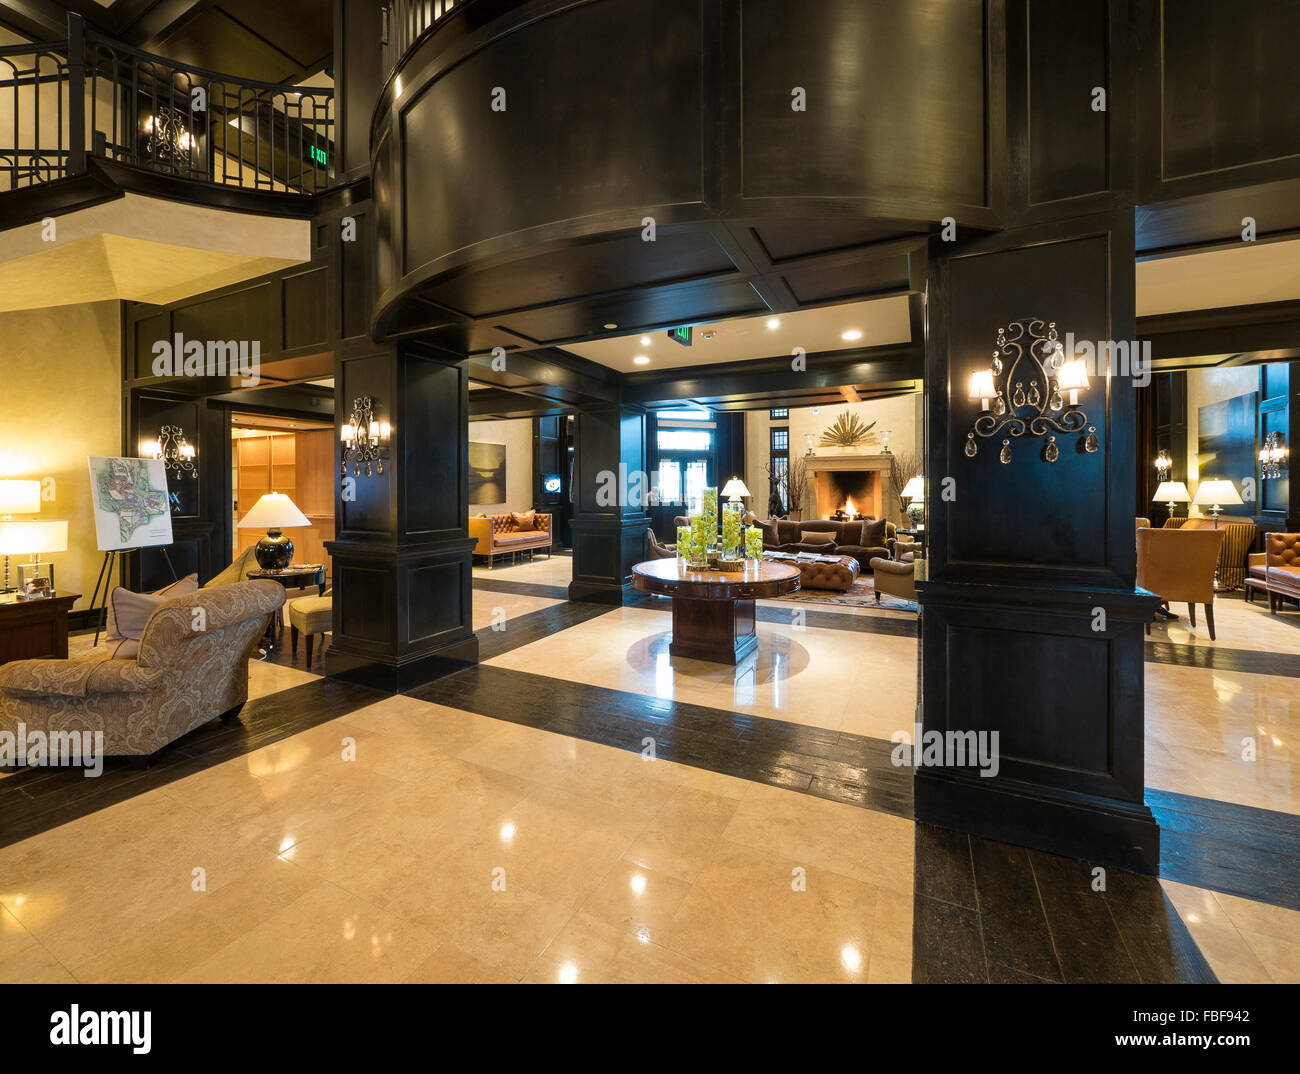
825,499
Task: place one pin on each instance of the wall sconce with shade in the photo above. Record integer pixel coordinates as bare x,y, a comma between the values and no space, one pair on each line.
1024,390
735,489
273,512
1214,494
17,498
365,438
1273,456
177,453
32,537
914,492
1171,492
1163,465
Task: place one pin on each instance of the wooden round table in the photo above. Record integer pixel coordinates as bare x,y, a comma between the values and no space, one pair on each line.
713,611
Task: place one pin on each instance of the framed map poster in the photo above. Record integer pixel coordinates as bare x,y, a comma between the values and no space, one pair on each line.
131,505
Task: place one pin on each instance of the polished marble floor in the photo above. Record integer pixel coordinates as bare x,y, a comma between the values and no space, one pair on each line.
408,840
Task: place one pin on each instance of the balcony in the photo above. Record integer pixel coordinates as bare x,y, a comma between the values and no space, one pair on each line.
90,103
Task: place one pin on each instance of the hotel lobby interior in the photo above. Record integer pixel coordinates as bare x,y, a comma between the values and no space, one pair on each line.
649,491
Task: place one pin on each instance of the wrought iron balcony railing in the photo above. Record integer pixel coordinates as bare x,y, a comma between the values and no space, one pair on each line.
90,95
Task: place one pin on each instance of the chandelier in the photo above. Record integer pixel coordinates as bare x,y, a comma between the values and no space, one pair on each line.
176,453
1030,390
1273,456
364,438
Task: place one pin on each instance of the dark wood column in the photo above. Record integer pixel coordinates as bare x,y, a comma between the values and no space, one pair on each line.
402,603
1031,625
609,518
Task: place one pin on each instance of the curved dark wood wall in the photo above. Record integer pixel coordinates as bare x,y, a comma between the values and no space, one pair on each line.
523,227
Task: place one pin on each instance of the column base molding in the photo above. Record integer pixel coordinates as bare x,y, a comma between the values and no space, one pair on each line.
1104,831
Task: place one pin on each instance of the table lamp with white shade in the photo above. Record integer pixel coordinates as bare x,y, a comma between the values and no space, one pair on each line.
32,537
17,498
273,512
735,489
1171,492
914,492
1214,494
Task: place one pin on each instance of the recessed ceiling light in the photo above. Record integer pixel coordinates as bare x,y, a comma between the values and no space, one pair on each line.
641,359
645,341
611,326
851,335
707,335
774,322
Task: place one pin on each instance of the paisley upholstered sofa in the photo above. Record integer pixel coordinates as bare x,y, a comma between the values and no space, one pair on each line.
192,666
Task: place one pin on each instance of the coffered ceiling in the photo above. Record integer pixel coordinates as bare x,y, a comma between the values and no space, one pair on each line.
277,41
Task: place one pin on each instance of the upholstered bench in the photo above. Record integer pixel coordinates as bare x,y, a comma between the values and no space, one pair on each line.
310,616
827,572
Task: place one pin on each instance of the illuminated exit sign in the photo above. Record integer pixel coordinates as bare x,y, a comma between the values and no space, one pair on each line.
681,335
318,155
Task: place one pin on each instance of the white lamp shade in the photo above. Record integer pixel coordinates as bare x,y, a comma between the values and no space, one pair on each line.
981,385
1072,375
734,489
274,511
1216,493
1171,492
20,497
914,489
32,537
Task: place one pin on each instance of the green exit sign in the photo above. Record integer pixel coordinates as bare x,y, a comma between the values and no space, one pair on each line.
681,335
318,155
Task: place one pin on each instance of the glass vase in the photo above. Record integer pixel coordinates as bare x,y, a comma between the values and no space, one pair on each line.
731,515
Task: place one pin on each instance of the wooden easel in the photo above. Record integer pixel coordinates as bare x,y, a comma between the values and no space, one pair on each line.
106,579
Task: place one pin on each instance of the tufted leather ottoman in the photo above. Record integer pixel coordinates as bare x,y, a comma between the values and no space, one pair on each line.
839,575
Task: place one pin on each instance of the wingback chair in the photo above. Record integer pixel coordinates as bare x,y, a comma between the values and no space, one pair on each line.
1178,565
190,668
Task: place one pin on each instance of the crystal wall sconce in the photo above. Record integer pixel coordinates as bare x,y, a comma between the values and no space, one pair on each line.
1030,390
1273,456
365,439
176,452
1163,465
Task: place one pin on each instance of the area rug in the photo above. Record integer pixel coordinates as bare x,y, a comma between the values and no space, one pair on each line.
861,594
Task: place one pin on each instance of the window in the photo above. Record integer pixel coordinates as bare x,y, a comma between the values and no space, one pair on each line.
779,456
782,414
670,481
685,440
697,477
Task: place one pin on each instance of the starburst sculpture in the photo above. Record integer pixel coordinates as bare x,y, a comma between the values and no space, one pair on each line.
848,431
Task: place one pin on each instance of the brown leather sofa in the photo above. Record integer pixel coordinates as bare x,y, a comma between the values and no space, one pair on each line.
1179,565
500,535
863,540
1276,569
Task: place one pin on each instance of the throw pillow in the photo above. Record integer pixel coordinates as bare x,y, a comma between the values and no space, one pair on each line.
128,612
771,539
873,533
523,521
816,537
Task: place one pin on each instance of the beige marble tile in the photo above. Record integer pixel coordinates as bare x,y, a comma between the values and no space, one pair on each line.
874,848
743,916
636,900
325,935
450,965
1281,958
1224,947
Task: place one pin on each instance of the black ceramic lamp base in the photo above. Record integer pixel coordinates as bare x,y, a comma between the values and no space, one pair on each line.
274,552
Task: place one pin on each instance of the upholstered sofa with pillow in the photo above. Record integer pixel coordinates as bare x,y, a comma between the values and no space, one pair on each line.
1277,567
516,531
863,540
191,666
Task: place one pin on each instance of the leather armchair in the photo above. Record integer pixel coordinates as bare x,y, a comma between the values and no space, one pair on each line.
1279,567
1178,565
189,669
658,550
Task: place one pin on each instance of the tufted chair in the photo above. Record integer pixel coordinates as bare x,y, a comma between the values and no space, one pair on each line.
190,668
1178,565
1278,567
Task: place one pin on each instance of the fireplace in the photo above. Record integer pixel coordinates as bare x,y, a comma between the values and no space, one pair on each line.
835,479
